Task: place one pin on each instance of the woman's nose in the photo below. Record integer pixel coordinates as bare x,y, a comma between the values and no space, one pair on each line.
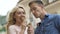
22,15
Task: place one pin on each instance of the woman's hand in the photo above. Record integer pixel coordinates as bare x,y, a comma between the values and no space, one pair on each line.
30,29
23,28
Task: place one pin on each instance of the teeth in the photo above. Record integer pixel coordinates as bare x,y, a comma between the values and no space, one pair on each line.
22,18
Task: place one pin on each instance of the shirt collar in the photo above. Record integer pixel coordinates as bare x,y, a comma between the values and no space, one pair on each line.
46,16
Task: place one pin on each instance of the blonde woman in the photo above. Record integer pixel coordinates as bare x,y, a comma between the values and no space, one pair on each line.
17,21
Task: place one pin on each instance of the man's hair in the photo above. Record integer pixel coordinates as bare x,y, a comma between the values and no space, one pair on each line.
38,2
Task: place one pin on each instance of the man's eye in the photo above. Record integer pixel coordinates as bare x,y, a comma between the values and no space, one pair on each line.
34,9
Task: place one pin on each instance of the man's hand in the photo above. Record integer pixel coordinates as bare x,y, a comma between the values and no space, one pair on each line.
30,29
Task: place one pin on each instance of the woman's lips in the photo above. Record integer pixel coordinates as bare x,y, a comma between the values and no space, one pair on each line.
22,17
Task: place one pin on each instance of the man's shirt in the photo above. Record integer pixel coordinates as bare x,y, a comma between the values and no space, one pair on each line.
49,25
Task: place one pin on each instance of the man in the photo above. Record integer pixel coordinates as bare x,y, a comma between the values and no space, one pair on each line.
50,23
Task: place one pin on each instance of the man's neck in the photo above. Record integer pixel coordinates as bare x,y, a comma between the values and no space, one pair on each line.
43,15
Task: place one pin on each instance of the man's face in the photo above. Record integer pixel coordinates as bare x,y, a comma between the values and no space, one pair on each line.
36,10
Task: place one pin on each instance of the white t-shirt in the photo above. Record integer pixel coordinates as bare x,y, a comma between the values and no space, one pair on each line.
14,29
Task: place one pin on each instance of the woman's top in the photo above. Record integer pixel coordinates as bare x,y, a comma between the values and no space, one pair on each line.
14,29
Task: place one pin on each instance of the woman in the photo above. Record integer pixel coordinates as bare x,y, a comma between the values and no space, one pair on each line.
17,21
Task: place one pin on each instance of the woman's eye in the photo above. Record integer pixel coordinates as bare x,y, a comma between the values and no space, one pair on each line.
21,12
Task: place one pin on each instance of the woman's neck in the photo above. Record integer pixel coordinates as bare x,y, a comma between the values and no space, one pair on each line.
18,23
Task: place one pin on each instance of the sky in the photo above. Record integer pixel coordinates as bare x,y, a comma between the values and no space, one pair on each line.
6,5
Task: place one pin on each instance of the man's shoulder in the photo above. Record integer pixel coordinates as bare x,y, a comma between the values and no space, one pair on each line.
54,15
57,15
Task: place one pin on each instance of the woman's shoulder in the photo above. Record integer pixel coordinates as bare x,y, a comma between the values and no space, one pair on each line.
12,27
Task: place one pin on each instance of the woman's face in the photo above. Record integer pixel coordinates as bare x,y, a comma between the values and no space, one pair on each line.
19,15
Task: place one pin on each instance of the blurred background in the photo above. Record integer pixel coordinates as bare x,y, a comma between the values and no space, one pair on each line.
51,6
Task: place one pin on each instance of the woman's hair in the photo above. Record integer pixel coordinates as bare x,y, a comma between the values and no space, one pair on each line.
11,19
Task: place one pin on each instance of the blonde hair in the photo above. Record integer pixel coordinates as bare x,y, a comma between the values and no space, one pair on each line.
11,19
